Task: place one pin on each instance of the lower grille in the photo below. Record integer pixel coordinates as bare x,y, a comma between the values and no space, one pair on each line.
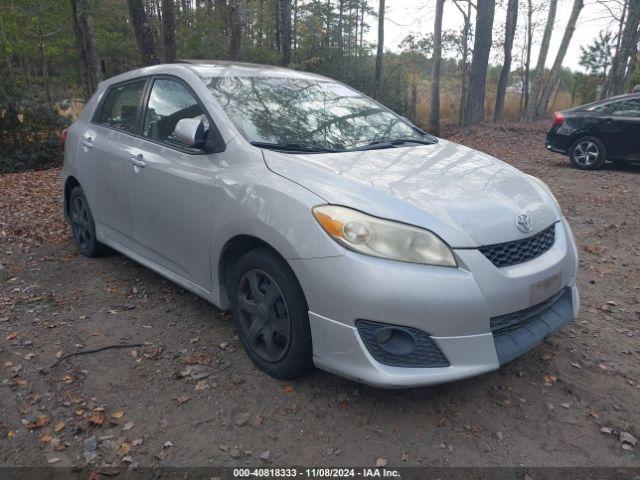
512,253
504,324
424,353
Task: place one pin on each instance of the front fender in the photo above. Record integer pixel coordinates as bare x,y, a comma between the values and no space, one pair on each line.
250,200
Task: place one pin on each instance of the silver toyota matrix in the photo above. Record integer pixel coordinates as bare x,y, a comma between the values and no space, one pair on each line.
339,234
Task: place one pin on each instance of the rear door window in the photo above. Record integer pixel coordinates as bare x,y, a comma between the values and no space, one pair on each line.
120,107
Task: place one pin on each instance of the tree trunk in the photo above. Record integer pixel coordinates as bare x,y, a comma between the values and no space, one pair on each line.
80,47
524,100
633,61
236,31
510,30
93,61
474,111
340,57
284,30
434,123
89,62
464,65
541,108
169,30
45,67
143,32
380,52
606,84
538,74
619,64
9,118
294,33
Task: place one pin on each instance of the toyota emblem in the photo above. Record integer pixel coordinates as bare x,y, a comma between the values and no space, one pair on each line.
524,223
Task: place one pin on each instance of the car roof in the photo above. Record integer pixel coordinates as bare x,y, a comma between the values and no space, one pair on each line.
217,68
223,68
604,101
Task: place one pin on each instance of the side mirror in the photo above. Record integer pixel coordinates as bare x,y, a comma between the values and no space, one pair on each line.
190,131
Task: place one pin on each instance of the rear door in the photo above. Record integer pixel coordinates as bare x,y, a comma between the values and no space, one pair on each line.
172,186
104,153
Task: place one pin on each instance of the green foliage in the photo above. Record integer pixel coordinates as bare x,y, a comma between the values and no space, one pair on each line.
596,57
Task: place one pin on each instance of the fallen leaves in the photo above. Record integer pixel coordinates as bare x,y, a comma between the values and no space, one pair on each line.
128,426
182,399
117,415
593,249
59,426
165,450
201,385
242,419
39,422
627,441
97,418
123,449
194,359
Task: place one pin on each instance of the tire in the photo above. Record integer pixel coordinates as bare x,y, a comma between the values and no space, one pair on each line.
271,315
588,153
83,226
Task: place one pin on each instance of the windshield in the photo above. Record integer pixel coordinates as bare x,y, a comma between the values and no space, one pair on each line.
294,112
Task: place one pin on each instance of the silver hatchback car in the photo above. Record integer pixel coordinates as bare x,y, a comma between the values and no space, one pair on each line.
339,234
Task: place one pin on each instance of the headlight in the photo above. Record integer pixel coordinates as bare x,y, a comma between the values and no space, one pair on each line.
382,238
548,190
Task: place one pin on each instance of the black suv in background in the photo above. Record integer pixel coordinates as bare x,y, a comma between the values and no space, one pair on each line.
604,130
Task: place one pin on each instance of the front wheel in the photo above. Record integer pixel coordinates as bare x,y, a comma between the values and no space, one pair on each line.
271,315
588,153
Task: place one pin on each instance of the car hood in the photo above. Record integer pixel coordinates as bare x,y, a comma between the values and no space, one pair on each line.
467,197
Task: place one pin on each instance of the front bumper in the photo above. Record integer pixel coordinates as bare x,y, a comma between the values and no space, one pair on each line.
454,306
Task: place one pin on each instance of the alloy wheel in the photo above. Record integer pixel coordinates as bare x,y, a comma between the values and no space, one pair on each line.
81,222
586,153
264,317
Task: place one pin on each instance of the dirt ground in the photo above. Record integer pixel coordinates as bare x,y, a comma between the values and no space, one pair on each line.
190,396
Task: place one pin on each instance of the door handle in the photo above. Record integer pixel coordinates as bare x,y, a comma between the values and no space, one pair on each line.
137,161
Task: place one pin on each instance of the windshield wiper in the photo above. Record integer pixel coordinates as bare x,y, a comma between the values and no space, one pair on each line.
292,147
392,142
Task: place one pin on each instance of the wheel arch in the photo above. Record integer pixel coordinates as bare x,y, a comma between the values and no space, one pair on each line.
232,250
70,183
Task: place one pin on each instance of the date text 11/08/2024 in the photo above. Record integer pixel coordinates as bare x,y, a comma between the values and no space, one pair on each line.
315,473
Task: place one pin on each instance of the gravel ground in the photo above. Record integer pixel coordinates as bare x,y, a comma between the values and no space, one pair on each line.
189,395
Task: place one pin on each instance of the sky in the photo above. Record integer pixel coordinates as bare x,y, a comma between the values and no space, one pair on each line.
416,16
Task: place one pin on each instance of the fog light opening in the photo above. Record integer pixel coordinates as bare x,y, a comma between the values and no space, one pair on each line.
396,341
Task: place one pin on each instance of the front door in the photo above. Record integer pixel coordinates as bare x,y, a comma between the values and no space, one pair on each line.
172,187
103,161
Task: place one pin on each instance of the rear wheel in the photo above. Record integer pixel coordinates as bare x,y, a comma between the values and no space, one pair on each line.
82,225
271,315
588,153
